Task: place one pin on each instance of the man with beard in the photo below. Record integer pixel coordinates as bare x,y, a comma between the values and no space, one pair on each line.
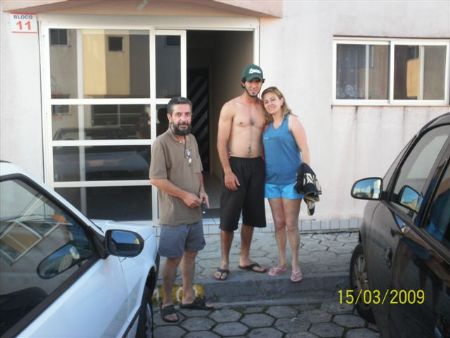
239,145
176,170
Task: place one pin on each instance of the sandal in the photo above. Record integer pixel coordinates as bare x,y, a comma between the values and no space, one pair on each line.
221,274
197,304
296,276
167,311
276,270
254,267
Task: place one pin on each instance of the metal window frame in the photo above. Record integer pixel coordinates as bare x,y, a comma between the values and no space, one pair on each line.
391,43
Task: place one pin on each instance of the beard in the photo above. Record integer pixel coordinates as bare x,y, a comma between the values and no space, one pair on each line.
181,132
250,94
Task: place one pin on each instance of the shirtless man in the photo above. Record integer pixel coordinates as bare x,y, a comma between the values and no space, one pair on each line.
239,146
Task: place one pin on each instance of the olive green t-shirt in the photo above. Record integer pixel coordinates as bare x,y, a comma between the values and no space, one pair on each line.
170,160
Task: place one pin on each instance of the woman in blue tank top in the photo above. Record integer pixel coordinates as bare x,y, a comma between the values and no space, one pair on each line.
285,147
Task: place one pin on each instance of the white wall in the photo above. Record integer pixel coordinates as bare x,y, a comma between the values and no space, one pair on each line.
20,101
350,142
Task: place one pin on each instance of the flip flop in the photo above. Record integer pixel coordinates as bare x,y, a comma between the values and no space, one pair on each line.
223,274
252,267
276,270
296,276
167,311
197,304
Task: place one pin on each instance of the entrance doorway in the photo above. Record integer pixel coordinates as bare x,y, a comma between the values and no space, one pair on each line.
214,63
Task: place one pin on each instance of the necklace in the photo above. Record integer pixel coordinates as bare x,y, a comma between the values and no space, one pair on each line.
187,152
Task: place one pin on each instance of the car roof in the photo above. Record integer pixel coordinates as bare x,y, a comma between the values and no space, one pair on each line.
440,120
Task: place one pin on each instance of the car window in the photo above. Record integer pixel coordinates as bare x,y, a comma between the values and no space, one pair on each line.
417,167
438,220
41,246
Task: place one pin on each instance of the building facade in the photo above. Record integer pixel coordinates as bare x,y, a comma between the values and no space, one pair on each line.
83,98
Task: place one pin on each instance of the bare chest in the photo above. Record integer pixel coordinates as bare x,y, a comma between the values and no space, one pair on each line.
253,118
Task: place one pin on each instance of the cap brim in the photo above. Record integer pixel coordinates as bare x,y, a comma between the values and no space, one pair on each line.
251,78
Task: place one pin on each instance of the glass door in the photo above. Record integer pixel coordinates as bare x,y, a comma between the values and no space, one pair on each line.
104,91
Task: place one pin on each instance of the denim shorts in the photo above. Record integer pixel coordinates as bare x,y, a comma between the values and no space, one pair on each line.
174,240
286,191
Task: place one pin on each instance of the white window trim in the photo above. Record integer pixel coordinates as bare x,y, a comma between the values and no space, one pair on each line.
392,43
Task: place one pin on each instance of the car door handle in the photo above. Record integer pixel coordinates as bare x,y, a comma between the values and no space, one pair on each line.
388,256
396,233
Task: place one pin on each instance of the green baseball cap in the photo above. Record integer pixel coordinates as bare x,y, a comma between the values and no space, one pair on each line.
252,72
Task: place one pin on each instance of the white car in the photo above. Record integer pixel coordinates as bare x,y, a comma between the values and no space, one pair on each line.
62,275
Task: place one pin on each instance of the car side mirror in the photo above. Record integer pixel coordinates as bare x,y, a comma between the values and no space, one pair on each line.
367,188
410,198
59,261
123,243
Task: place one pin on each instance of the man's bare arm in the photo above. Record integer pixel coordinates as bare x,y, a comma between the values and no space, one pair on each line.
189,199
223,138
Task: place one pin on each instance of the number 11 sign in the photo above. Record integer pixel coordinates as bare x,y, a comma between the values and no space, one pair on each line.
23,23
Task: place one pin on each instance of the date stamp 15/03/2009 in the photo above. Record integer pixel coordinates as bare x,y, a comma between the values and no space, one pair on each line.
389,296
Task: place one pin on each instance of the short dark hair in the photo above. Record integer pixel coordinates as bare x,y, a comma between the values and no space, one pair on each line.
177,100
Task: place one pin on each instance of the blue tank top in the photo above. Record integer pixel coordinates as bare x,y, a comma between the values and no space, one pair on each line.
282,155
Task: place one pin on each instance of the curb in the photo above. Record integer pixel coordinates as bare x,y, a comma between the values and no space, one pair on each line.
277,288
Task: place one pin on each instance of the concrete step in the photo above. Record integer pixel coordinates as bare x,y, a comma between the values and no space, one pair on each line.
273,288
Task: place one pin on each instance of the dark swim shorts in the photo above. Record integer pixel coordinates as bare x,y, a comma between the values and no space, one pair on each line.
249,198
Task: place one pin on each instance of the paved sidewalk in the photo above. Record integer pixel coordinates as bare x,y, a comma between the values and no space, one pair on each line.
324,260
298,320
252,304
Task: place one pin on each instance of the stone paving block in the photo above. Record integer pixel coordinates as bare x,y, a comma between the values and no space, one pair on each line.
230,329
308,238
306,307
336,308
257,320
314,316
314,247
201,334
340,249
308,256
194,313
291,325
252,309
197,324
331,243
168,332
349,321
301,335
362,333
281,311
327,330
266,332
225,315
344,237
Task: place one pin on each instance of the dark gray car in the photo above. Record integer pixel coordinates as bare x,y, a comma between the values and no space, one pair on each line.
400,271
